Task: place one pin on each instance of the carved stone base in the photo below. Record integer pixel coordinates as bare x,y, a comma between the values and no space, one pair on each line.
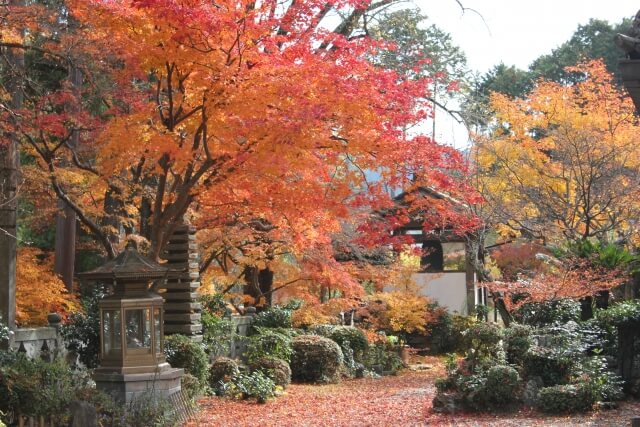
125,387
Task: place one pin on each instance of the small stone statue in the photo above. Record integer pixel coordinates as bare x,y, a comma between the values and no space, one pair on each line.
630,42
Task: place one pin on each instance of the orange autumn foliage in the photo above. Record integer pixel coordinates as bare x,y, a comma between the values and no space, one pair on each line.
403,312
38,290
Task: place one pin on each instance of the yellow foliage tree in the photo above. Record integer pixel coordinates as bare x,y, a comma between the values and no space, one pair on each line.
563,162
39,291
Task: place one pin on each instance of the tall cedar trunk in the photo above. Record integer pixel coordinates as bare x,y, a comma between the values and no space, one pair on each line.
65,254
9,170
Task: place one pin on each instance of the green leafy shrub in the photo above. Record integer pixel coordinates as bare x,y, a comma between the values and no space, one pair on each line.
483,341
567,398
550,367
272,317
352,337
218,334
191,386
182,352
382,357
81,330
626,313
268,342
33,387
548,313
446,331
276,369
517,342
501,387
594,375
315,359
253,385
223,369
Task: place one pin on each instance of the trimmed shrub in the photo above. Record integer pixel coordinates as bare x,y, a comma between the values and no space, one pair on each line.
183,353
502,385
222,369
552,370
352,337
382,358
315,359
246,386
517,342
483,341
567,398
268,342
272,317
276,369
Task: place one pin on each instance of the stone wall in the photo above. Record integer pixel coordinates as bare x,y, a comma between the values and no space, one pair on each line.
44,342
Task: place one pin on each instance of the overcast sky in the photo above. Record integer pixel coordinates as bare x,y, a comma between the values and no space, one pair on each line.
513,31
518,31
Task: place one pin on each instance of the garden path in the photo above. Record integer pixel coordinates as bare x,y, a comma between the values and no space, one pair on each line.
402,400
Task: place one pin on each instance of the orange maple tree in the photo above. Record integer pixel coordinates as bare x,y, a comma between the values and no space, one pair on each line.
253,119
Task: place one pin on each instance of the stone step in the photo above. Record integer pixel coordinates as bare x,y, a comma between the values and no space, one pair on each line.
175,318
182,307
182,329
182,286
184,256
184,276
185,246
178,238
173,296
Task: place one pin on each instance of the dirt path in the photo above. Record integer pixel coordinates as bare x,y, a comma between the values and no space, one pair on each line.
402,400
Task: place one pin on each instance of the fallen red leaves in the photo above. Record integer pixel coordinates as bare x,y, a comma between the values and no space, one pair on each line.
403,400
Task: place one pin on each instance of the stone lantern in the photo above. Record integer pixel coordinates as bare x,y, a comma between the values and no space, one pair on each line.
131,328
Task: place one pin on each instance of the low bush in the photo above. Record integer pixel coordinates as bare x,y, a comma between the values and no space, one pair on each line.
352,337
382,357
551,368
272,317
446,332
315,359
484,343
253,385
567,398
218,334
182,352
517,342
276,369
268,342
501,387
223,370
35,388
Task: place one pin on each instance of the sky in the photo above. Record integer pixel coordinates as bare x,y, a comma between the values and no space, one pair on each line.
514,32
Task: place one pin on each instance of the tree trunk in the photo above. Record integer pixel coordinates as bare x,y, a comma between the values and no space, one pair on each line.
586,308
259,285
65,254
9,170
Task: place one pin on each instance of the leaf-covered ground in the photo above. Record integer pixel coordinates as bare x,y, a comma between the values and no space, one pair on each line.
402,400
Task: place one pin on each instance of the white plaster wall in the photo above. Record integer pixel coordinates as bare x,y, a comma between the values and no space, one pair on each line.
447,289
